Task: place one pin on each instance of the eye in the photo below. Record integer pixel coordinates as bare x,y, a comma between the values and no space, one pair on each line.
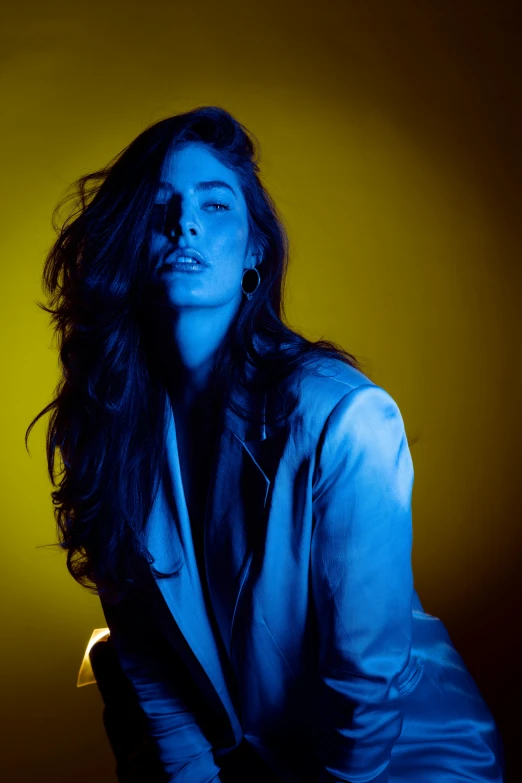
223,206
158,216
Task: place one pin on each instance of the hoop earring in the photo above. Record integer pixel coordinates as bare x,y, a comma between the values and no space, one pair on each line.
249,294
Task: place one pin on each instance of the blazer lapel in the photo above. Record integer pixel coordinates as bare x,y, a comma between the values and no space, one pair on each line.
235,511
234,526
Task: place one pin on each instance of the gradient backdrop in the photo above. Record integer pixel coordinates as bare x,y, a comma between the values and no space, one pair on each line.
390,138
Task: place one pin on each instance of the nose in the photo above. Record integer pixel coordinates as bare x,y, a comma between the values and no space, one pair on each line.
181,222
172,232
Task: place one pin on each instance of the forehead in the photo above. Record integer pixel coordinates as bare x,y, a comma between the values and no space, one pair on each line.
194,167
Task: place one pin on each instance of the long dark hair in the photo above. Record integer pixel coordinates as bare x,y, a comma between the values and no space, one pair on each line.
108,413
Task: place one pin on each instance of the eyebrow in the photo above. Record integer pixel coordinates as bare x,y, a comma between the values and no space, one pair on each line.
205,185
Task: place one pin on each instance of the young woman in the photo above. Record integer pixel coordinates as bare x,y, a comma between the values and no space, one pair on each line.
238,496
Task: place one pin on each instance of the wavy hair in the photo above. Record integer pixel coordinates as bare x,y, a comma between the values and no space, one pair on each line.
108,412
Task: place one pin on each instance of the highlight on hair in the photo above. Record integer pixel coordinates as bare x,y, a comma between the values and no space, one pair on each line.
108,414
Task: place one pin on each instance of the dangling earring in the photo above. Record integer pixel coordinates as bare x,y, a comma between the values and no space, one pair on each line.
249,294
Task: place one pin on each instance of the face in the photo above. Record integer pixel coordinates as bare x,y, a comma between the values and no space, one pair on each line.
209,217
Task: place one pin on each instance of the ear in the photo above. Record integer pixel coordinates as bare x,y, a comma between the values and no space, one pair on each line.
253,259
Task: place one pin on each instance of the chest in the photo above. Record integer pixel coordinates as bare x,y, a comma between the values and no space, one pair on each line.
195,438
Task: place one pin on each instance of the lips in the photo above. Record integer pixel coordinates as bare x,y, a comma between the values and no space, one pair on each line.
184,252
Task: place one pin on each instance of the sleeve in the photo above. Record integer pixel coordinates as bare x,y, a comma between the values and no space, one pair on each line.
362,583
162,688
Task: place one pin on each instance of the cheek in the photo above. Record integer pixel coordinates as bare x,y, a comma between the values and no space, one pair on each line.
229,245
156,244
231,233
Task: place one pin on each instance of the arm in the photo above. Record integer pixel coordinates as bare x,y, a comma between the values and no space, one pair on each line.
162,687
362,583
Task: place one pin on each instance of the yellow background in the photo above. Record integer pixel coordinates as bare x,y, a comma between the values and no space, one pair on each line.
391,144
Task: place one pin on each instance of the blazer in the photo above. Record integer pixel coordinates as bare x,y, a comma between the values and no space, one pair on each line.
300,632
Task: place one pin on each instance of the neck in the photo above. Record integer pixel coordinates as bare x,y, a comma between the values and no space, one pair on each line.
192,339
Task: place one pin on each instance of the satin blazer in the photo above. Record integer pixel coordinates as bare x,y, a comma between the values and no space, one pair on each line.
300,632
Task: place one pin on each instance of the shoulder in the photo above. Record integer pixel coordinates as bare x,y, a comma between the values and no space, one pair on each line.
333,378
334,391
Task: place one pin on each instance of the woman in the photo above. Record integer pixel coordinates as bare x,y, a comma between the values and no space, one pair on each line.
238,496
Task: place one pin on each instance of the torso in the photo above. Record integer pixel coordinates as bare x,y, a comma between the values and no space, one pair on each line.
195,436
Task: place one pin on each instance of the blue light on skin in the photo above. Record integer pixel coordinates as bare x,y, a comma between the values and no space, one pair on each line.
197,308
